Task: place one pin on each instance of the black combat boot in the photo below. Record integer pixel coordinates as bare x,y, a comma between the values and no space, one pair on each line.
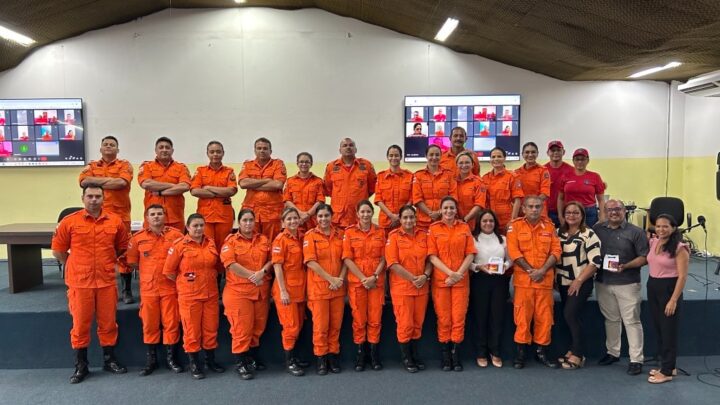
127,297
407,359
360,357
172,361
210,362
196,370
81,366
151,363
291,366
110,362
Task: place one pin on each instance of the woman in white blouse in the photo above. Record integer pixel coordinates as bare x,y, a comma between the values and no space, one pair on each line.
489,288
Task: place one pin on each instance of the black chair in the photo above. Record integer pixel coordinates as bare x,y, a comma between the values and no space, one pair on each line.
665,205
65,212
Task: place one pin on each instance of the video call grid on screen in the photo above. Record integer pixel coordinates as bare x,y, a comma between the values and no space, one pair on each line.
42,132
489,120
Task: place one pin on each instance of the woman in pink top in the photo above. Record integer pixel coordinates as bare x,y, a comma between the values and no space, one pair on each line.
668,261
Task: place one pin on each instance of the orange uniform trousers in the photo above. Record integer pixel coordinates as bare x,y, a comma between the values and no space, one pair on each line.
410,315
218,231
156,311
271,229
327,316
533,305
451,304
366,306
200,321
180,226
247,317
122,265
86,303
292,318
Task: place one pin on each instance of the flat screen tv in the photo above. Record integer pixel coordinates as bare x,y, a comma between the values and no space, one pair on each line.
42,132
490,121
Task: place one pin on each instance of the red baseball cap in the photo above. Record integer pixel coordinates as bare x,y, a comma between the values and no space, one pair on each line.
581,151
554,144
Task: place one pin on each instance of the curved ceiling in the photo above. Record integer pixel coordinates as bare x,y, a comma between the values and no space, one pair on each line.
567,40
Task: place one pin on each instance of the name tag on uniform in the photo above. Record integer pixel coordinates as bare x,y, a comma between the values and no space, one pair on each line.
611,262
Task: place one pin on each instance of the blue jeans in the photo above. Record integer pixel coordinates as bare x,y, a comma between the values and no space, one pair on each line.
591,216
554,217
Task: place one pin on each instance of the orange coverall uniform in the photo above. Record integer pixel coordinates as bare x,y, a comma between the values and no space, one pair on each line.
195,268
218,212
430,189
246,305
535,181
533,301
450,244
447,162
471,192
94,245
409,302
394,190
174,205
304,193
366,250
267,205
327,306
348,186
287,250
158,295
502,190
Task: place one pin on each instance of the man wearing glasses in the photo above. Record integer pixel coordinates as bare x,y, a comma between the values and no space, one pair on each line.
624,250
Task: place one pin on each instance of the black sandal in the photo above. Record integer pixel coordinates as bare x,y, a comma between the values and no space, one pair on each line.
570,365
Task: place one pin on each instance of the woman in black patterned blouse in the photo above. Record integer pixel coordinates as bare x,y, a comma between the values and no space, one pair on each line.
580,260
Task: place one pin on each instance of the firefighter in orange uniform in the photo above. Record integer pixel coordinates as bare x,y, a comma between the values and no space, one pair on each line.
363,255
504,189
322,254
246,297
348,180
304,191
393,190
263,179
534,248
165,181
192,264
430,185
451,249
406,254
115,176
472,192
448,160
289,287
147,251
96,238
535,178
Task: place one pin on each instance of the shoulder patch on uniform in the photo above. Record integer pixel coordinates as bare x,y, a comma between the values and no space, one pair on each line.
305,243
171,251
225,248
276,249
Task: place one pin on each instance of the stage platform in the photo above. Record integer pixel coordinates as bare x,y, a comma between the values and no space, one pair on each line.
36,325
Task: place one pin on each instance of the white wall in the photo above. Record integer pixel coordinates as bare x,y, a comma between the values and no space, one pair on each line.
305,79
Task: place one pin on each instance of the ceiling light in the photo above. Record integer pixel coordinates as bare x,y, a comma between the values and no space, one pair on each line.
14,36
240,1
654,70
447,29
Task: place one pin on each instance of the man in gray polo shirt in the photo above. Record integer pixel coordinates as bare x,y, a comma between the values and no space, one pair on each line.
624,250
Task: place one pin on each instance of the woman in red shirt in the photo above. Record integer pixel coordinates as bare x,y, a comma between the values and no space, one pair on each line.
583,186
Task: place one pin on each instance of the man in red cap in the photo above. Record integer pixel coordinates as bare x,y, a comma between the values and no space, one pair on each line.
558,169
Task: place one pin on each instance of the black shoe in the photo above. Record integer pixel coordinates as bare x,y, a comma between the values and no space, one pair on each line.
210,362
196,370
127,297
322,365
446,361
415,354
301,363
542,357
110,362
334,362
608,360
519,360
151,363
375,362
241,367
254,362
407,359
172,362
360,358
81,367
290,365
634,368
455,356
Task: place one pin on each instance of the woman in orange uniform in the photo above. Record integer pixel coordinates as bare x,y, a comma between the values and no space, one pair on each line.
393,190
406,257
451,250
246,257
535,178
192,263
363,255
430,185
471,190
288,291
504,189
304,191
322,254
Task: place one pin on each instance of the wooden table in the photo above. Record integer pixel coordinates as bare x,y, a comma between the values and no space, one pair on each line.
24,243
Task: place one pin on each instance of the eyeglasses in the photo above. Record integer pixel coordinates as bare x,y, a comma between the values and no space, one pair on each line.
572,213
618,209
